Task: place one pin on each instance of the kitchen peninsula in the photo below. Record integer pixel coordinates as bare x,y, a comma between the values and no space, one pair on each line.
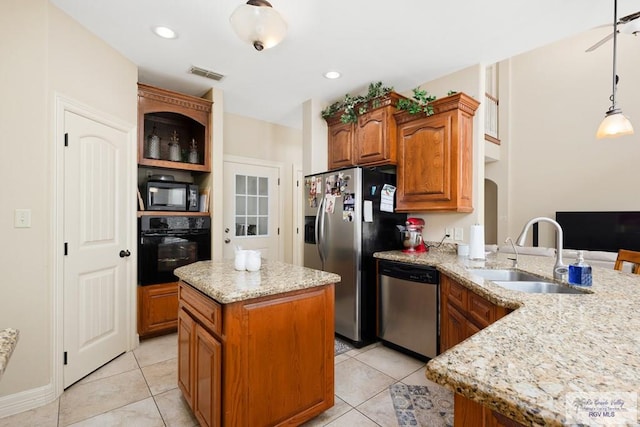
255,348
535,363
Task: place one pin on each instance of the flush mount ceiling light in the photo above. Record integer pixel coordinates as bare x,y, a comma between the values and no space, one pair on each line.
258,23
164,32
615,123
332,74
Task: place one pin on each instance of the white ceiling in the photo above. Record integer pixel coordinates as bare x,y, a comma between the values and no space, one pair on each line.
402,43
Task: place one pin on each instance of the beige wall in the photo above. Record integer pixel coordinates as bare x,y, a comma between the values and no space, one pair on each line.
470,81
257,139
559,95
44,52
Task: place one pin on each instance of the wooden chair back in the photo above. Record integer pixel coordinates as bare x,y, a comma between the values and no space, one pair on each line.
625,255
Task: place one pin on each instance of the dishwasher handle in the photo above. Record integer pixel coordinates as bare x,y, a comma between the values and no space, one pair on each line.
409,272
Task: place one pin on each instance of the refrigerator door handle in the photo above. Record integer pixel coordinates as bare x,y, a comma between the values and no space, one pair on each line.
320,230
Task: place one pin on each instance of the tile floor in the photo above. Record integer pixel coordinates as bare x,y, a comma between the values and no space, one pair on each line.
139,388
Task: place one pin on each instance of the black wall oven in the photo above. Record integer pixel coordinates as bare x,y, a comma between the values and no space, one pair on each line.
169,242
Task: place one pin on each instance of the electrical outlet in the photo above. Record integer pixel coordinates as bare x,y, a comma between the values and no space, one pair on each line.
457,235
449,231
22,218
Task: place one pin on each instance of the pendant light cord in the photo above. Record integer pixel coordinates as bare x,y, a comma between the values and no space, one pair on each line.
615,49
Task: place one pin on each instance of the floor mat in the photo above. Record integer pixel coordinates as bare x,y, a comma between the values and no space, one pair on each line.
422,406
342,346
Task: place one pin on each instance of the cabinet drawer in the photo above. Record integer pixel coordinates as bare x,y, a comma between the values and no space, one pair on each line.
201,306
481,311
457,295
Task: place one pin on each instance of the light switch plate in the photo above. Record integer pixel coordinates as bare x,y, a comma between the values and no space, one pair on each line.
22,218
458,235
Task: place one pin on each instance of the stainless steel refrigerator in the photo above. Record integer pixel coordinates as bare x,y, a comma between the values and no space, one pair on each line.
346,221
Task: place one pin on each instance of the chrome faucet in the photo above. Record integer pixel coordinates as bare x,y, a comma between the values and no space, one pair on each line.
515,260
559,269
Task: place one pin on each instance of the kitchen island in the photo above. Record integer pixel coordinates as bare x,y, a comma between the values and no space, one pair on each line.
255,348
8,341
543,362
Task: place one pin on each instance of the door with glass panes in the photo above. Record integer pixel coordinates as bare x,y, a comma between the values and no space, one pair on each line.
251,209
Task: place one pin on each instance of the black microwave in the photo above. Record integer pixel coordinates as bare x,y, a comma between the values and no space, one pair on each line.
171,196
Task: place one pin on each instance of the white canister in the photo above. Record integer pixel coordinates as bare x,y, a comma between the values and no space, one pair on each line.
240,261
253,261
463,249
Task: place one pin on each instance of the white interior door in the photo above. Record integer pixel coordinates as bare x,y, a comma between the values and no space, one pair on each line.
252,209
95,226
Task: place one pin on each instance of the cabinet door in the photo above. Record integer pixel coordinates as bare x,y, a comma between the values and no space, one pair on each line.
208,364
376,138
458,328
340,144
481,311
424,161
157,309
186,333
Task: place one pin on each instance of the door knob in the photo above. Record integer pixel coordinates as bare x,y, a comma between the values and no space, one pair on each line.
227,240
124,253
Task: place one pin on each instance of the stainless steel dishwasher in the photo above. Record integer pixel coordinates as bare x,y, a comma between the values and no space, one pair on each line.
408,307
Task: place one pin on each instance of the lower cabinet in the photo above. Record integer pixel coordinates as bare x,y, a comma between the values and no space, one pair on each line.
157,309
261,362
199,369
465,313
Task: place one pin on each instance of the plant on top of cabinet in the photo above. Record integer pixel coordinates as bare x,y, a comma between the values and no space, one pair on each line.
353,106
173,130
362,129
421,102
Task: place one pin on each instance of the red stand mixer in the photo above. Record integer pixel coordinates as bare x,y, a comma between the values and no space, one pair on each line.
412,236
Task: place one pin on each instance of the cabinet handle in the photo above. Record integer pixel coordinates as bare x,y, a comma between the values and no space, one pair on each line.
124,253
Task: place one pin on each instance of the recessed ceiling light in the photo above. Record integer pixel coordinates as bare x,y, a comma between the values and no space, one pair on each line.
332,74
164,32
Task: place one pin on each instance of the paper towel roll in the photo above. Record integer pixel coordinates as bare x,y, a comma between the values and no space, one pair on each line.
476,242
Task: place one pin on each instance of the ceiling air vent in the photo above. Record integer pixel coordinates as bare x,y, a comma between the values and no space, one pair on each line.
206,73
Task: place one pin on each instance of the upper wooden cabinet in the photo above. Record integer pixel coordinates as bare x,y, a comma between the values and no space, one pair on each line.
435,157
369,142
340,142
165,114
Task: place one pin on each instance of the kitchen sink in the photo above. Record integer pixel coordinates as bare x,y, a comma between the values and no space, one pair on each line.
537,287
518,280
509,275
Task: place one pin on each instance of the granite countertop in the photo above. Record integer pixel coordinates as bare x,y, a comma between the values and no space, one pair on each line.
8,341
220,281
530,364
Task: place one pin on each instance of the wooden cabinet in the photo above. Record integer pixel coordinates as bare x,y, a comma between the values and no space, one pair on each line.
464,313
435,157
163,112
340,143
157,309
275,354
369,142
472,414
200,355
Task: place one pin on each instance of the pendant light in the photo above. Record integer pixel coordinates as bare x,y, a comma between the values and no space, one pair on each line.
615,123
258,23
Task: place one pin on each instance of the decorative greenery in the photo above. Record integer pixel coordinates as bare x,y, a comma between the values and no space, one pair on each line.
364,103
421,102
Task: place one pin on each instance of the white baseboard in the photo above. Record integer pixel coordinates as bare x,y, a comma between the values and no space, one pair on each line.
26,400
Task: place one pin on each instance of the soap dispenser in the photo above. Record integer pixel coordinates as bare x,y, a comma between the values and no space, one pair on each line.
580,272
